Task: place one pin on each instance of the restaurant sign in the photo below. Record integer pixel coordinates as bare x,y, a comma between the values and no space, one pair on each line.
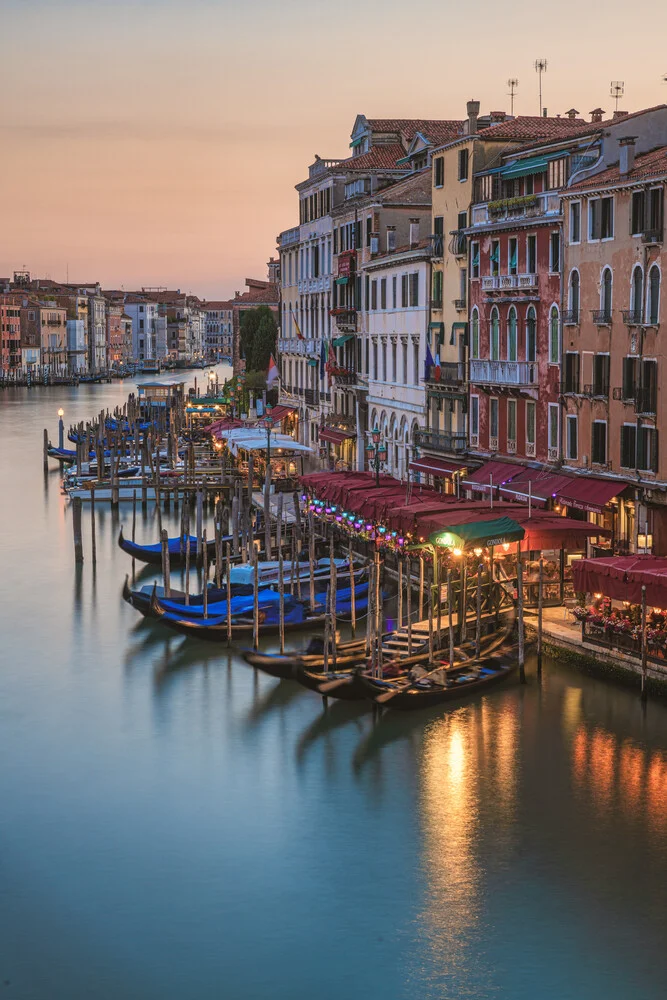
346,262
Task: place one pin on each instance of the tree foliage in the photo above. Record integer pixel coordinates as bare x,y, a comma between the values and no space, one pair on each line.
258,336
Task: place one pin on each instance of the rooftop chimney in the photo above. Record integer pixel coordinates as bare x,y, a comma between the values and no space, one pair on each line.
596,115
414,232
619,114
544,112
626,153
472,109
497,116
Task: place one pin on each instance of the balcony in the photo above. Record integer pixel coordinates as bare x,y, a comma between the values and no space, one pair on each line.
460,305
458,245
570,387
437,245
289,237
597,390
652,237
436,303
632,317
509,209
302,348
601,317
447,374
346,318
344,376
309,285
570,317
514,374
311,397
509,282
443,441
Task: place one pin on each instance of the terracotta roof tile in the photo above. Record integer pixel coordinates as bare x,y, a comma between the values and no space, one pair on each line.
381,157
532,127
652,164
434,129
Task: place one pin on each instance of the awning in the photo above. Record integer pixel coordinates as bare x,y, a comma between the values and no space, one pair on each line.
545,530
540,486
622,578
524,168
435,467
334,435
313,362
281,411
583,493
492,532
342,281
496,472
339,341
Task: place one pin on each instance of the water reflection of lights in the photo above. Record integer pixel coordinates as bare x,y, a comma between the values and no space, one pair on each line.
620,776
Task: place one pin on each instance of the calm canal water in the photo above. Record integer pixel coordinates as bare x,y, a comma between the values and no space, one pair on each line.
174,825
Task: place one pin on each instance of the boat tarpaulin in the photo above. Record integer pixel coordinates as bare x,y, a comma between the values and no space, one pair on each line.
622,578
435,467
584,493
334,435
496,472
495,531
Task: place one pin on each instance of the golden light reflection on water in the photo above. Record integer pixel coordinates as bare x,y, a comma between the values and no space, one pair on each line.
464,753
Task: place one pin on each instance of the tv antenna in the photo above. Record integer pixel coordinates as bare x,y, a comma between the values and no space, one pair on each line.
540,68
512,83
616,90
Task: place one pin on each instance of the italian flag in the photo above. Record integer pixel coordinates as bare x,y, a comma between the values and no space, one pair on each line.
272,374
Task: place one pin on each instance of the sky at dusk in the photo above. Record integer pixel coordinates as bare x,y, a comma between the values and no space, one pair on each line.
157,142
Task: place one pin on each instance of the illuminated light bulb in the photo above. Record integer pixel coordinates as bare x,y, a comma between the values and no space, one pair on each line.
456,552
478,552
506,546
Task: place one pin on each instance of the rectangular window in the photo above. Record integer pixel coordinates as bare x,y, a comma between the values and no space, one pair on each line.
493,417
531,255
575,222
474,415
556,174
462,221
414,288
394,292
374,295
415,362
463,164
629,378
437,289
405,362
655,210
463,286
494,258
369,229
513,256
649,390
571,372
572,437
647,449
376,374
554,253
601,375
511,420
439,171
530,423
637,215
438,226
404,291
600,218
474,260
383,293
553,427
628,446
599,442
384,360
394,361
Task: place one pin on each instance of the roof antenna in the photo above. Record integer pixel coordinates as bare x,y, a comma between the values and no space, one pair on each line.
512,83
616,90
540,68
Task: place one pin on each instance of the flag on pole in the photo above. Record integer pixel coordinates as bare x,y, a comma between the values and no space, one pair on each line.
296,325
332,362
428,363
323,358
272,374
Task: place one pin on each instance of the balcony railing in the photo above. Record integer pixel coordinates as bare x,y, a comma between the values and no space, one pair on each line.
321,284
646,400
624,394
292,345
570,317
508,282
441,441
652,236
436,303
448,373
344,376
570,387
437,245
602,317
458,245
311,397
546,203
460,304
510,373
597,389
632,317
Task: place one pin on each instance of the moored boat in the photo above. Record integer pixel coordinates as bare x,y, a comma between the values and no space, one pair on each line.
153,553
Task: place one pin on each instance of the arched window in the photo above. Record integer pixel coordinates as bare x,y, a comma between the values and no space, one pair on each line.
474,336
574,295
511,335
637,294
654,295
554,336
605,294
531,334
495,335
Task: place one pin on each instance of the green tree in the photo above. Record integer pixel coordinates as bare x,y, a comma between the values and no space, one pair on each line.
264,340
249,323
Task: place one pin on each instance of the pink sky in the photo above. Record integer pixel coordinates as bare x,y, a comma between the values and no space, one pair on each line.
159,141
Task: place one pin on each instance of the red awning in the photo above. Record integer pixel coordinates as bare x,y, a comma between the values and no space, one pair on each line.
545,530
335,436
585,493
622,577
502,472
280,411
435,467
540,485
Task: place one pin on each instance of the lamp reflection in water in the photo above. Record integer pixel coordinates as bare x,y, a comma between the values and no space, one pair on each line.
465,751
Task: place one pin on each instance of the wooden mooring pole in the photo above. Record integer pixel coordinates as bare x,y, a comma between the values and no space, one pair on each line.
519,587
76,526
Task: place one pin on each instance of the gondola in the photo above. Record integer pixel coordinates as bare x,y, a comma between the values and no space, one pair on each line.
153,553
141,599
283,665
296,616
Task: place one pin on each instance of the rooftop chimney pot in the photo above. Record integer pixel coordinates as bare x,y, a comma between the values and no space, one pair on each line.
572,114
472,110
596,115
626,158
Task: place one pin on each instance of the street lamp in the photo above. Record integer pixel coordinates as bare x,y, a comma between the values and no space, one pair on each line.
211,380
268,423
376,453
61,428
232,394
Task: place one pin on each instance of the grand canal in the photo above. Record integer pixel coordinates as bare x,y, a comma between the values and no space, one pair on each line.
175,825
